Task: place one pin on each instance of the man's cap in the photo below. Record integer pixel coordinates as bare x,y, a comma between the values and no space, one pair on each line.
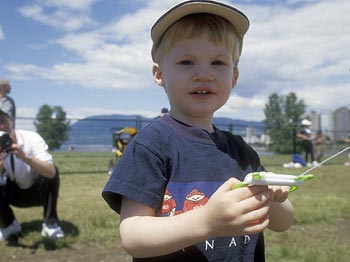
239,20
4,82
306,122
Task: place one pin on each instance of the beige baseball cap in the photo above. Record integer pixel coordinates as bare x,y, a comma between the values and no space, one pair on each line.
239,20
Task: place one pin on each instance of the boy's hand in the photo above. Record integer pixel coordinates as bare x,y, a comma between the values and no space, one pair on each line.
237,212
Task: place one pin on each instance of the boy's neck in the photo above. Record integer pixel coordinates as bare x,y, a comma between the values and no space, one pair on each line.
201,123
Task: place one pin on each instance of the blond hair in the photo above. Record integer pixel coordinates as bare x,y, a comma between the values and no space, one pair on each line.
194,25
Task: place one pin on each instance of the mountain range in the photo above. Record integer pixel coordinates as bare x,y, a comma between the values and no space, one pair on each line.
94,133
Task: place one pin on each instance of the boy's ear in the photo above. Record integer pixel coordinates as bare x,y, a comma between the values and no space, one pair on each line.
157,75
235,76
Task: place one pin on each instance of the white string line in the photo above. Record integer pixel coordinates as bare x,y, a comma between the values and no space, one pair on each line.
324,161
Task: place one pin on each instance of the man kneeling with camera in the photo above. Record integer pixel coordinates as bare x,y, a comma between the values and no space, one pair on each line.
28,178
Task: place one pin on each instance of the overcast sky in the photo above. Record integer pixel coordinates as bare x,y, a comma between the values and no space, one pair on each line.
92,57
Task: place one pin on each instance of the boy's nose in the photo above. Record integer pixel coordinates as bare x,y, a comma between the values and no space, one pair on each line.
203,74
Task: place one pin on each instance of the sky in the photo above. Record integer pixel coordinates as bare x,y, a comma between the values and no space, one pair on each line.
92,57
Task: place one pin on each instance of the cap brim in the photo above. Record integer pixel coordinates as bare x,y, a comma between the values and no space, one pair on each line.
234,16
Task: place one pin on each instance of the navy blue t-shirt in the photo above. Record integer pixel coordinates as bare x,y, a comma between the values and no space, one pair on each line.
174,168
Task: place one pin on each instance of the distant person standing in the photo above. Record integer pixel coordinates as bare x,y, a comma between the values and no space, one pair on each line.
163,112
7,104
306,135
319,145
347,140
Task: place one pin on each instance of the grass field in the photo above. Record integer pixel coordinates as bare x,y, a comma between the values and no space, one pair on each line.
322,216
321,231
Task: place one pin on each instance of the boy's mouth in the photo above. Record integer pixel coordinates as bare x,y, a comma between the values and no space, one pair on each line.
202,91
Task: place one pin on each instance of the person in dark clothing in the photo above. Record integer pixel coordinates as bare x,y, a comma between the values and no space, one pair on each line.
306,135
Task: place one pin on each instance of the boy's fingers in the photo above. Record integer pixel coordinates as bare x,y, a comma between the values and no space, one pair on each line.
239,194
227,186
256,202
257,226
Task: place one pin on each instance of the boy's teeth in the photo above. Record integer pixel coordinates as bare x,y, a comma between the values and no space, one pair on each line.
202,92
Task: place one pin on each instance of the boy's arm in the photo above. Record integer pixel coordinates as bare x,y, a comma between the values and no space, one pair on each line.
145,235
227,213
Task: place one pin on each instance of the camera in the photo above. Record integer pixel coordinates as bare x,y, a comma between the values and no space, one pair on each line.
5,142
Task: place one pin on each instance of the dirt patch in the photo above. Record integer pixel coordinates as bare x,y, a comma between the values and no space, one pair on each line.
72,254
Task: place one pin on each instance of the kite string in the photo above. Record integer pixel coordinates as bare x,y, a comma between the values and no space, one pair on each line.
324,161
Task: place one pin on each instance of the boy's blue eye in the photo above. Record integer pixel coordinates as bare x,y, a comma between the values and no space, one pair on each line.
218,63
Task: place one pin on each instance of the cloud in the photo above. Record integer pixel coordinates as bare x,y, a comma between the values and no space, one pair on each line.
292,46
108,66
293,43
78,5
106,56
297,49
243,107
60,14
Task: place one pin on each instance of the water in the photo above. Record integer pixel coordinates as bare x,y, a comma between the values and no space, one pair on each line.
86,147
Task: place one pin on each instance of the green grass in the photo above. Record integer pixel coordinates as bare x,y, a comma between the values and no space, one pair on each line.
320,231
322,216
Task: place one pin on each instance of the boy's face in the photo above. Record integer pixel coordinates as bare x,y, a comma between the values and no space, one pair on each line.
198,77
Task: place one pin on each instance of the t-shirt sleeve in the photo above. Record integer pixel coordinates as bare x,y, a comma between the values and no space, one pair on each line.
138,175
245,155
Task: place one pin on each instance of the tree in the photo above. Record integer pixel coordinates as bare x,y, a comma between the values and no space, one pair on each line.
283,113
51,123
